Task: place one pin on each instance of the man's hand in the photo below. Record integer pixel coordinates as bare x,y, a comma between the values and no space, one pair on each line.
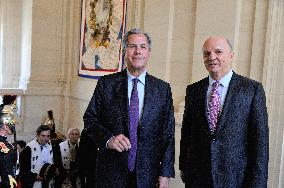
163,182
119,143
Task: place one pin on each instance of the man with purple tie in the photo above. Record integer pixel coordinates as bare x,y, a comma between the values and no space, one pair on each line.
224,135
131,118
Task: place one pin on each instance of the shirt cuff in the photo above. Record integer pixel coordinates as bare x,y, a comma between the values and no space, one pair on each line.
108,142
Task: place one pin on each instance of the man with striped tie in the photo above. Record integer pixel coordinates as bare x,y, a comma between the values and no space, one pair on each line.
224,136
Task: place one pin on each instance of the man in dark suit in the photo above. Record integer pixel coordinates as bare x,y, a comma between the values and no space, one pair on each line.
224,136
129,156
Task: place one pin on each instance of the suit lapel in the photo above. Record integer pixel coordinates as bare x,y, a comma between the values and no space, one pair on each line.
149,99
121,93
203,95
233,89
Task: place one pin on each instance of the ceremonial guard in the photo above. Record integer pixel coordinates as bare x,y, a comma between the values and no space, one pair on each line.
36,161
8,155
55,139
69,150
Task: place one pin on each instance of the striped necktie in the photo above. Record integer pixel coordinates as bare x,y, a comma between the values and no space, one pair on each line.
214,107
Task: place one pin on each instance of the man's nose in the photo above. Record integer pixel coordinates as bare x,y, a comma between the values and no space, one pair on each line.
137,50
212,56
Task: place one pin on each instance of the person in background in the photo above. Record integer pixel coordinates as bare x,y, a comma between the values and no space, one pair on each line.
87,156
55,139
69,151
8,155
132,119
20,144
224,135
36,161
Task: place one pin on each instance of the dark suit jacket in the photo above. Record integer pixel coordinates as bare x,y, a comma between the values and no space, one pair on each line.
107,115
236,155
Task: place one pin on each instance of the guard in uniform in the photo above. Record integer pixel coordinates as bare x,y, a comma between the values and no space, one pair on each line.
69,151
55,139
37,169
8,154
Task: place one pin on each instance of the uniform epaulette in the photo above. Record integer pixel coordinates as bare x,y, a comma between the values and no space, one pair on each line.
3,148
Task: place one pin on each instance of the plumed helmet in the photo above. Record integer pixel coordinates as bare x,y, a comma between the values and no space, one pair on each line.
50,123
8,116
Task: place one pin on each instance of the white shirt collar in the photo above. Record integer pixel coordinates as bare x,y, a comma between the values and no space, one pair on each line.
141,77
224,81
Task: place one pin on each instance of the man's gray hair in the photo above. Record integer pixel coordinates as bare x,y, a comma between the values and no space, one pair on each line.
72,129
227,41
138,32
230,44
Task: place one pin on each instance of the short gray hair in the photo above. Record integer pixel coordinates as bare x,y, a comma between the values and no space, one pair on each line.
230,44
72,129
136,31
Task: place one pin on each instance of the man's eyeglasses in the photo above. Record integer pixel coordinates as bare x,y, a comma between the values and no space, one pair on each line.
138,46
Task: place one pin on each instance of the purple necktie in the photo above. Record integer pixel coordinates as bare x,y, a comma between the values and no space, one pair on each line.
133,124
214,106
